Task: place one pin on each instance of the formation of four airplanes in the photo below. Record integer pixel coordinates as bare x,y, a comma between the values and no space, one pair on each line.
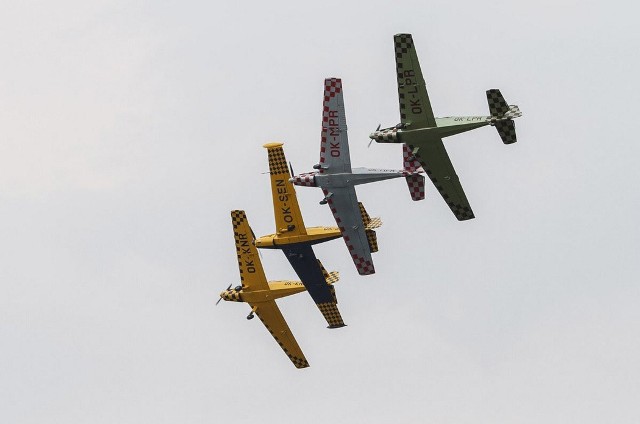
420,134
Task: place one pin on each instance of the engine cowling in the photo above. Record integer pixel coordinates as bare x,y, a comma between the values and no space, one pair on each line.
308,179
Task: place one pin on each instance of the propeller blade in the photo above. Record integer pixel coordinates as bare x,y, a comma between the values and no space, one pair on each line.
221,296
371,141
291,169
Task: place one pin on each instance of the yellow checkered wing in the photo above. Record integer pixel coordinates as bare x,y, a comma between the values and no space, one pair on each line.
251,272
272,318
285,203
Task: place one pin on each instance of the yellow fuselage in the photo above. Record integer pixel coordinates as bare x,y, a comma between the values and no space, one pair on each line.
277,289
314,235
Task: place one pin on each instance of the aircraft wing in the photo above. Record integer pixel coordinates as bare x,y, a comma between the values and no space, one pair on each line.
334,145
251,272
272,318
415,107
304,262
346,211
434,159
285,203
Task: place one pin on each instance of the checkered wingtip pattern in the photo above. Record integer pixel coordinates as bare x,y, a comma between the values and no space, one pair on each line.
238,218
363,266
299,362
331,313
332,87
415,183
277,161
403,44
462,213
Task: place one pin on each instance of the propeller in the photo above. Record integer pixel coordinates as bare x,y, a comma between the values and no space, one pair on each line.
291,169
221,296
371,141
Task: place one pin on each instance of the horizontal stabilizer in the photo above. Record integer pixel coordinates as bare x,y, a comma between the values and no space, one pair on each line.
373,240
507,131
497,105
415,183
369,223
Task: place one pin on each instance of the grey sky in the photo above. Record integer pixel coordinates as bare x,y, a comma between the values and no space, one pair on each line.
129,130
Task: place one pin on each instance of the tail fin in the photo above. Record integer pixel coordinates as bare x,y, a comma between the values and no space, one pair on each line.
369,225
329,277
502,116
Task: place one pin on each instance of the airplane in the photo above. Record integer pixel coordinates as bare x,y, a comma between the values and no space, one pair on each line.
261,295
423,133
337,179
296,241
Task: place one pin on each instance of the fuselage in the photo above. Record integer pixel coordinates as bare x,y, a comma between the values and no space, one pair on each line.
357,176
403,133
277,289
314,235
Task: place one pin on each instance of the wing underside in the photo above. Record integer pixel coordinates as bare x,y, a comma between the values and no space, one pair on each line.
251,272
415,107
346,211
304,262
334,144
272,318
286,209
436,163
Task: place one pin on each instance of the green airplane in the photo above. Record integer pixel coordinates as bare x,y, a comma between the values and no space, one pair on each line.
423,133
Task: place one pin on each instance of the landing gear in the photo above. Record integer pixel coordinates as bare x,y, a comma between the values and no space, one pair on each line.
326,199
251,314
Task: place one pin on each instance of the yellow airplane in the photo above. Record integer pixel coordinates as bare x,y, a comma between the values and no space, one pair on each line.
295,240
261,294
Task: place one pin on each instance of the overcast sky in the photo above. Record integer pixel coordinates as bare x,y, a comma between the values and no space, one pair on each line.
130,129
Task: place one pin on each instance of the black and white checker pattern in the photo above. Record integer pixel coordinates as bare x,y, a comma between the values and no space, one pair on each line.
237,219
372,239
331,313
507,131
461,212
497,105
299,362
277,161
403,42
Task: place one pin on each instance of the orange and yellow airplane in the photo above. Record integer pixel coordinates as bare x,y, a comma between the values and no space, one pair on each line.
261,294
296,241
